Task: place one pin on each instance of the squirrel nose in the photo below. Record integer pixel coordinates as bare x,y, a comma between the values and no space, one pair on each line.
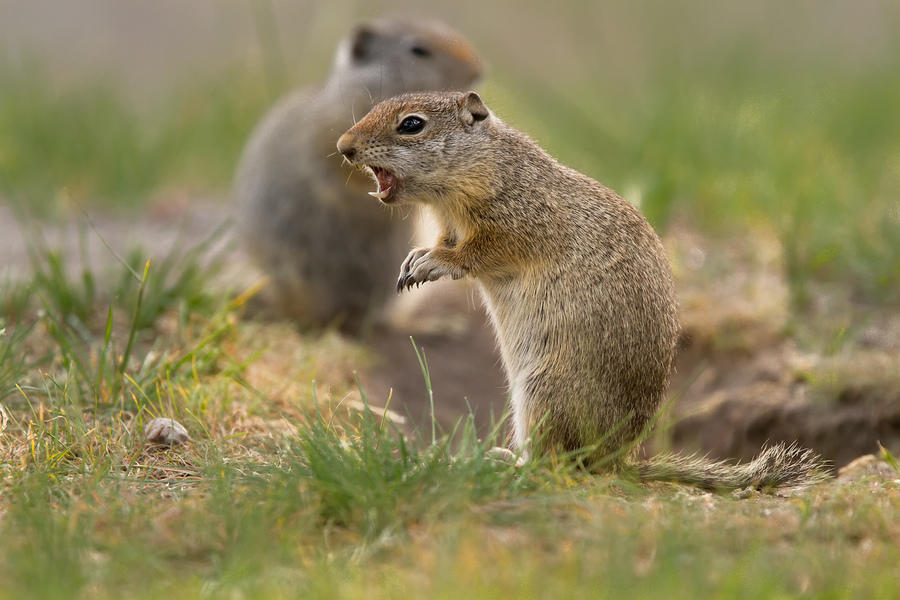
346,146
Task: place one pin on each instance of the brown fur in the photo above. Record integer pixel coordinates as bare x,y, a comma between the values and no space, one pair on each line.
328,252
575,280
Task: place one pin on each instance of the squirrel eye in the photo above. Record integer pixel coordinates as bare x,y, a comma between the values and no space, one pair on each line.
411,125
420,51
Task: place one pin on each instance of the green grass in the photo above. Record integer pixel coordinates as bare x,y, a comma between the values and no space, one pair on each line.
74,142
338,503
82,144
353,510
14,364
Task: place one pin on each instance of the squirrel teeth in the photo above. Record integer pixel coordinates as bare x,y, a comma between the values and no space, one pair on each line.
385,181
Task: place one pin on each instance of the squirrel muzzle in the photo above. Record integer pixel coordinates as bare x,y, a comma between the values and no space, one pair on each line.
385,179
346,145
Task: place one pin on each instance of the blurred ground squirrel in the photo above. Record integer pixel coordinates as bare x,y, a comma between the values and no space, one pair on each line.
328,252
575,280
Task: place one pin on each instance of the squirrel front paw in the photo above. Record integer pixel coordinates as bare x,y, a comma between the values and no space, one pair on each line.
425,264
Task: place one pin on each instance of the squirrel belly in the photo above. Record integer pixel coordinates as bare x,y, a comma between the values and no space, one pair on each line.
575,280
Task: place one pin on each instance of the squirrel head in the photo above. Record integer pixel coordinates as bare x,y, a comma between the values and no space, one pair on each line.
391,55
423,147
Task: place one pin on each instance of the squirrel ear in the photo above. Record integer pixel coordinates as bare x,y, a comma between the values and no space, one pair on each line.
472,109
361,42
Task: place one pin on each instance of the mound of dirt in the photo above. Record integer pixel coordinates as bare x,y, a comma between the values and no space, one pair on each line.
740,404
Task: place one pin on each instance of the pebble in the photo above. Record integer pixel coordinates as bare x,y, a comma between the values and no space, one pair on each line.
165,431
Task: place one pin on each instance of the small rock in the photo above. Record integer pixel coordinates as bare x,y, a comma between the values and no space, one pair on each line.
165,431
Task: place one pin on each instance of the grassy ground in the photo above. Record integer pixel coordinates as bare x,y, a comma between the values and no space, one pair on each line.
289,486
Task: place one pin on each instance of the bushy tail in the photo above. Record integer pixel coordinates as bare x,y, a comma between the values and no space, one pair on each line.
776,466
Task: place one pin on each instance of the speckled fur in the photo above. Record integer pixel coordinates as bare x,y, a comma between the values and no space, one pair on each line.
328,251
575,280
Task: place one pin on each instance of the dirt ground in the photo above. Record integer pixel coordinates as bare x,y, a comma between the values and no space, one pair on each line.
740,381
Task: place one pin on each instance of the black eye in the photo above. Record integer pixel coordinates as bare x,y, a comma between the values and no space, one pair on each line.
411,125
420,51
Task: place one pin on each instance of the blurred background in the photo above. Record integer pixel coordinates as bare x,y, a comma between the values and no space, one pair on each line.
725,115
762,139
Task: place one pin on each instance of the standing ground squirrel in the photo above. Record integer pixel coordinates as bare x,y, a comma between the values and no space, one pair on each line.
327,252
575,280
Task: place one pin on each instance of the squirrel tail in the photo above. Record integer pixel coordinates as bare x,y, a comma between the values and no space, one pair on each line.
776,466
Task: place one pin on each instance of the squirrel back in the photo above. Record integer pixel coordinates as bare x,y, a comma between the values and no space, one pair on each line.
326,251
574,278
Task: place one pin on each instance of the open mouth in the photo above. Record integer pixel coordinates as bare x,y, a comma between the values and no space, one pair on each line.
387,183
